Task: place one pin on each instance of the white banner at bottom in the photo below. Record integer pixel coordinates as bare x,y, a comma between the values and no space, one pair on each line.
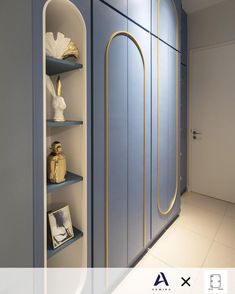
118,281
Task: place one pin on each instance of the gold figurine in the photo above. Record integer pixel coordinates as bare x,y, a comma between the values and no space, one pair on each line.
56,164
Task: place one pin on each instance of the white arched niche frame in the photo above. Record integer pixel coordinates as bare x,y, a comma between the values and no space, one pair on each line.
63,16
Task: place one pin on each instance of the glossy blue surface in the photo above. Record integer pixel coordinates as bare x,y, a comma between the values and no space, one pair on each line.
51,252
135,134
106,22
56,66
184,129
164,121
168,22
120,5
184,103
140,12
184,38
126,136
70,179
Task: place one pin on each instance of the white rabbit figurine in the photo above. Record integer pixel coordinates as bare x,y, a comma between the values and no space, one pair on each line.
58,102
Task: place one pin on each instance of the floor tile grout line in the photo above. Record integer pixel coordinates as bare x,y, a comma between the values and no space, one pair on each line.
205,209
220,225
225,245
209,249
196,232
208,197
161,260
199,207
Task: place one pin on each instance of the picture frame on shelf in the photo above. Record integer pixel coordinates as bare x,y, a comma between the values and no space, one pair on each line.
61,228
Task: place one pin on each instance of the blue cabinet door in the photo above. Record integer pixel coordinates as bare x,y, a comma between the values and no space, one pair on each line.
155,17
140,12
160,64
184,129
165,21
184,38
120,5
165,132
109,161
139,149
174,133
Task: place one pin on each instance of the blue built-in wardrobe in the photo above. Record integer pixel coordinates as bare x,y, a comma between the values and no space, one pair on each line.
136,122
184,104
122,141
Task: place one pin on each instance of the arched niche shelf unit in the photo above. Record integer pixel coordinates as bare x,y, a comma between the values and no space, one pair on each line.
63,16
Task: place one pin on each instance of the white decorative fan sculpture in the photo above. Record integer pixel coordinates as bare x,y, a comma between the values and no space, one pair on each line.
56,48
61,47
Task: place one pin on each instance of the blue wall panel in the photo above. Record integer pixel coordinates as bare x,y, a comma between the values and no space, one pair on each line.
118,152
172,132
164,134
184,38
120,5
184,104
184,129
102,31
159,135
166,15
136,171
140,12
174,166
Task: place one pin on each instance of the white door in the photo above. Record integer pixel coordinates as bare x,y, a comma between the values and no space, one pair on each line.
212,112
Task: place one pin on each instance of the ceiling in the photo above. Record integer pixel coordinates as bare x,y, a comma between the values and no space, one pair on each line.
191,6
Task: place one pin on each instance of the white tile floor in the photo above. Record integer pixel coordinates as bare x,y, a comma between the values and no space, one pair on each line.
203,236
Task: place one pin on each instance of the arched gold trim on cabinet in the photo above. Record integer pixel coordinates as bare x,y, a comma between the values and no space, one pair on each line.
132,38
172,203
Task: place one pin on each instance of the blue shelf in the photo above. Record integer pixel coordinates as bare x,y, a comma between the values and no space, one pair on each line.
71,178
51,252
67,123
57,66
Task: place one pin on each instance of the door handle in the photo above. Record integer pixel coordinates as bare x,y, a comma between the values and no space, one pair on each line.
196,133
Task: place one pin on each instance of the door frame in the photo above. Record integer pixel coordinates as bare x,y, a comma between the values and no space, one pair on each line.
189,109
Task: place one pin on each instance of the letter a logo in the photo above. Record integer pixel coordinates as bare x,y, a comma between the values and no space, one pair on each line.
161,278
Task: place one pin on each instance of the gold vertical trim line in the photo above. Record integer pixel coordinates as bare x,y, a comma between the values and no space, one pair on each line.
133,39
167,211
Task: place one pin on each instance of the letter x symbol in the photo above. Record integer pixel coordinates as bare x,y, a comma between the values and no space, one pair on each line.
186,281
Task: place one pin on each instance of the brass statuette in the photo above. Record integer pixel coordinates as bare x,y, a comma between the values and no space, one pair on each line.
56,164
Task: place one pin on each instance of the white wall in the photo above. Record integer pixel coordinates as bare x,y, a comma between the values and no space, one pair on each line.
213,25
